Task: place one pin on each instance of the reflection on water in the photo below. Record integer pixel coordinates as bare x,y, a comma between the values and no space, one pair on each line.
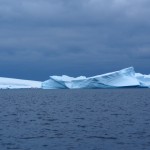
108,119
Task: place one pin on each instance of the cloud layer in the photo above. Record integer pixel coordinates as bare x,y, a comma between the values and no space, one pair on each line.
44,37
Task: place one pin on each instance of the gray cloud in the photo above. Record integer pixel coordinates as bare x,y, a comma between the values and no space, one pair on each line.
73,37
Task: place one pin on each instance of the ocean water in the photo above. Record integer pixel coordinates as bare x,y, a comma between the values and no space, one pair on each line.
103,119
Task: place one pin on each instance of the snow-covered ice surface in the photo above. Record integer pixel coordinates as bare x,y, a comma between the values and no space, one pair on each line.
118,79
10,83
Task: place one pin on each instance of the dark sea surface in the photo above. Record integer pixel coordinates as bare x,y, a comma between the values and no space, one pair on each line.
104,119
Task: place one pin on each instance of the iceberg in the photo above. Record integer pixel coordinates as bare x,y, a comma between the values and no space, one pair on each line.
118,79
11,83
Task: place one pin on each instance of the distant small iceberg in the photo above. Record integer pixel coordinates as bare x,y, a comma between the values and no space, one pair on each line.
118,79
11,83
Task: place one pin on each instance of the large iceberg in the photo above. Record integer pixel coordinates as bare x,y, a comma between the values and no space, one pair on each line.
10,83
118,79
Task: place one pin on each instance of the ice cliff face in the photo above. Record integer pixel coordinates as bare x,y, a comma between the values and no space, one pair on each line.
118,79
10,83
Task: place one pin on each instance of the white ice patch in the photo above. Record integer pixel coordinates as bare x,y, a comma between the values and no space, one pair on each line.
10,83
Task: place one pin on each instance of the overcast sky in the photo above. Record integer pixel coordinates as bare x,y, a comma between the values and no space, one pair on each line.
39,38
